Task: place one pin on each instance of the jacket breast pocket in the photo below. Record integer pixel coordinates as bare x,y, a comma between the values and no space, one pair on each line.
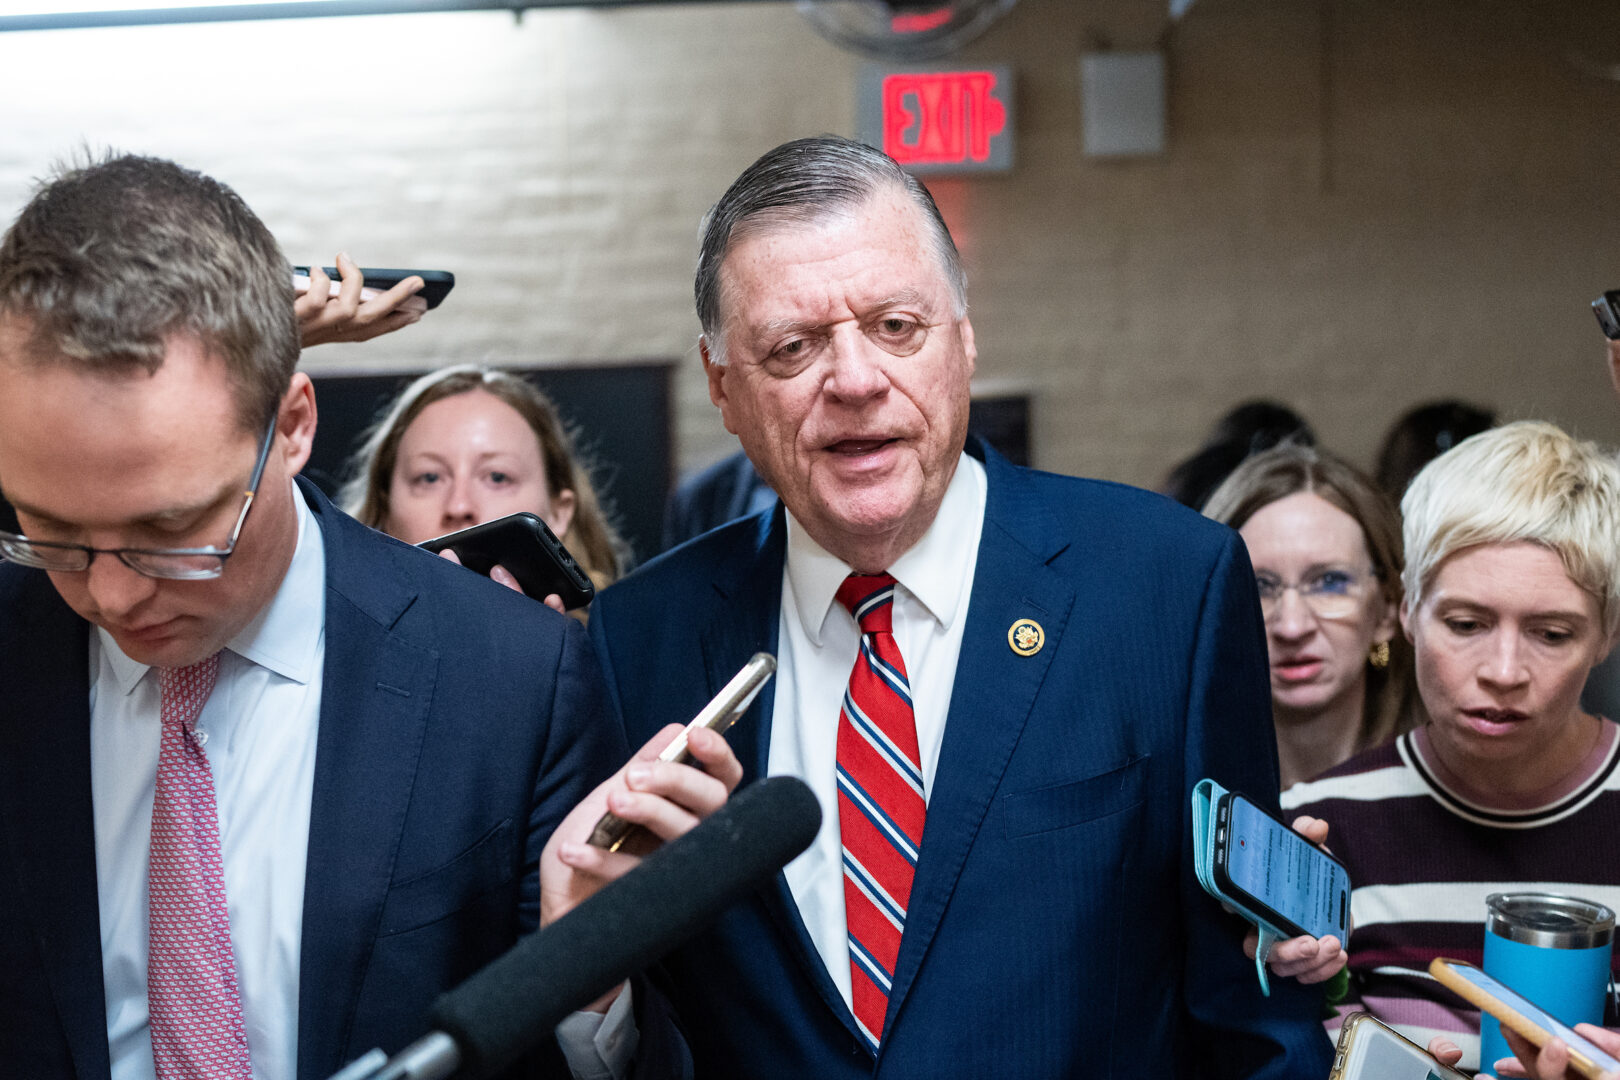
1062,806
441,892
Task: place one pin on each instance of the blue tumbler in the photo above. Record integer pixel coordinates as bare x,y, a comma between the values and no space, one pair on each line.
1553,950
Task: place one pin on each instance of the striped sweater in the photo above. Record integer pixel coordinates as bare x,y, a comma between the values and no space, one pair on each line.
1423,855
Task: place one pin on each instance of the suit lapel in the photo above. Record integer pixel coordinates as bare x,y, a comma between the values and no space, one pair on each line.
375,693
745,622
46,810
749,613
991,698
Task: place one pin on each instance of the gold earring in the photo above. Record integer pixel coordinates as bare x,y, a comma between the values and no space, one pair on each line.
1378,655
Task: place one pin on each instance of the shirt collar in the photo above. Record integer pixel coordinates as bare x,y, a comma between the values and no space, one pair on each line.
285,637
934,570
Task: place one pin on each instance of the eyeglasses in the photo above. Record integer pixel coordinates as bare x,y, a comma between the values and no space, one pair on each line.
1331,593
170,564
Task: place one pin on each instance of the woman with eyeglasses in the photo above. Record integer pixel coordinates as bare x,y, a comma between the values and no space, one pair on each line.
1326,548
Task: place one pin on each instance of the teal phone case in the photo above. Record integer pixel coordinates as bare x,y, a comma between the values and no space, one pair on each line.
1205,794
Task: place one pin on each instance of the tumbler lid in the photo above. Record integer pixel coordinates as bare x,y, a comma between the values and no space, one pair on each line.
1549,921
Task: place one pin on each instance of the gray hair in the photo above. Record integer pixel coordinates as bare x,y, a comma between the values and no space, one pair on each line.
110,258
801,182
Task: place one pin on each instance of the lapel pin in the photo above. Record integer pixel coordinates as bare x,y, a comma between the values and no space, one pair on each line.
1026,637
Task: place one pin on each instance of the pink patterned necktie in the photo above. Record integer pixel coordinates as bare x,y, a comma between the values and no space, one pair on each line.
880,800
191,993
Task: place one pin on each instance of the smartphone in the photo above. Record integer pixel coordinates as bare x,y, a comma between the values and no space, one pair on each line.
527,547
436,284
1277,874
718,715
1538,1026
1372,1050
1607,309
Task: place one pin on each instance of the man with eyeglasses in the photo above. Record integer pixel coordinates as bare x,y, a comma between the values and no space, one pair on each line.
269,781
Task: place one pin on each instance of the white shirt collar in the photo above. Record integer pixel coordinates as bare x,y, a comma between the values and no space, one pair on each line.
285,637
934,570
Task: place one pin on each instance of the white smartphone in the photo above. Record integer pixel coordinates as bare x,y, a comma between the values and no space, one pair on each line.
1372,1050
1536,1025
718,715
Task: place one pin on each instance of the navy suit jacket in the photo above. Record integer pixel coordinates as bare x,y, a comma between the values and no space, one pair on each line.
459,722
1056,928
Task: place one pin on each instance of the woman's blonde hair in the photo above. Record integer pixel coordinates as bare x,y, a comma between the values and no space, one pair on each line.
591,537
1527,481
1271,475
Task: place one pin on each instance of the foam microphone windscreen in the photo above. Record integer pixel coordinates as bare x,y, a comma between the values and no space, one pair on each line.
675,893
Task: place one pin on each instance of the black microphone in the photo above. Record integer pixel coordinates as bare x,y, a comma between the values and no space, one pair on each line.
518,998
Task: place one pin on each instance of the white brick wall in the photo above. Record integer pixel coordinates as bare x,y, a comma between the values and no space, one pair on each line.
1441,233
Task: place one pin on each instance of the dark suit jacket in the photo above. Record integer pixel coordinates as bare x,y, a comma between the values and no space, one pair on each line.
459,723
1056,928
725,491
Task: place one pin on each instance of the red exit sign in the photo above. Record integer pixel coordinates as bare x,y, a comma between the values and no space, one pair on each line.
939,121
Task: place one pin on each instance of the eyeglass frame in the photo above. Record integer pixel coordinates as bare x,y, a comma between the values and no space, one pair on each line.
204,575
1371,575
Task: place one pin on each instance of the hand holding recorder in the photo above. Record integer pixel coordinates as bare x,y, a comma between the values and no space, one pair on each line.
664,797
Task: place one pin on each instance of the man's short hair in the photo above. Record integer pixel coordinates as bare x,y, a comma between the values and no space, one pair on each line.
109,259
802,182
1527,481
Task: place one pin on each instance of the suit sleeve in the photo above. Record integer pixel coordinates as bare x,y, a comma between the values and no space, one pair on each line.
583,747
1230,738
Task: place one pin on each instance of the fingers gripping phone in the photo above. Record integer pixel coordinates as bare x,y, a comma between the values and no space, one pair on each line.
1277,874
718,715
527,547
1371,1050
1536,1025
436,284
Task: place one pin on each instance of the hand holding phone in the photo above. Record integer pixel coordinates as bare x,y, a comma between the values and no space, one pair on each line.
528,549
335,304
1277,875
1530,1022
718,715
1371,1050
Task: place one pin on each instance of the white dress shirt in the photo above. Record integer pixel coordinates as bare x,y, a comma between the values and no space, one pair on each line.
258,732
817,643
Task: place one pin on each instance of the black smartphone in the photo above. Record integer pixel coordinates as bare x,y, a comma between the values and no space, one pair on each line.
1277,874
436,284
1607,309
527,547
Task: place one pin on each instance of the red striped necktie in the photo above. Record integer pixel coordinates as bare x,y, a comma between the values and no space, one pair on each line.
880,799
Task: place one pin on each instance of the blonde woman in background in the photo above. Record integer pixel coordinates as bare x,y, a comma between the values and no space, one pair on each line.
1512,595
1325,544
468,444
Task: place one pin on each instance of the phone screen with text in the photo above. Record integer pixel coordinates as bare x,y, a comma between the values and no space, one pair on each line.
1284,871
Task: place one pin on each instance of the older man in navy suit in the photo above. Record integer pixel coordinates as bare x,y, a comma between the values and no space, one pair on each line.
1003,684
269,781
